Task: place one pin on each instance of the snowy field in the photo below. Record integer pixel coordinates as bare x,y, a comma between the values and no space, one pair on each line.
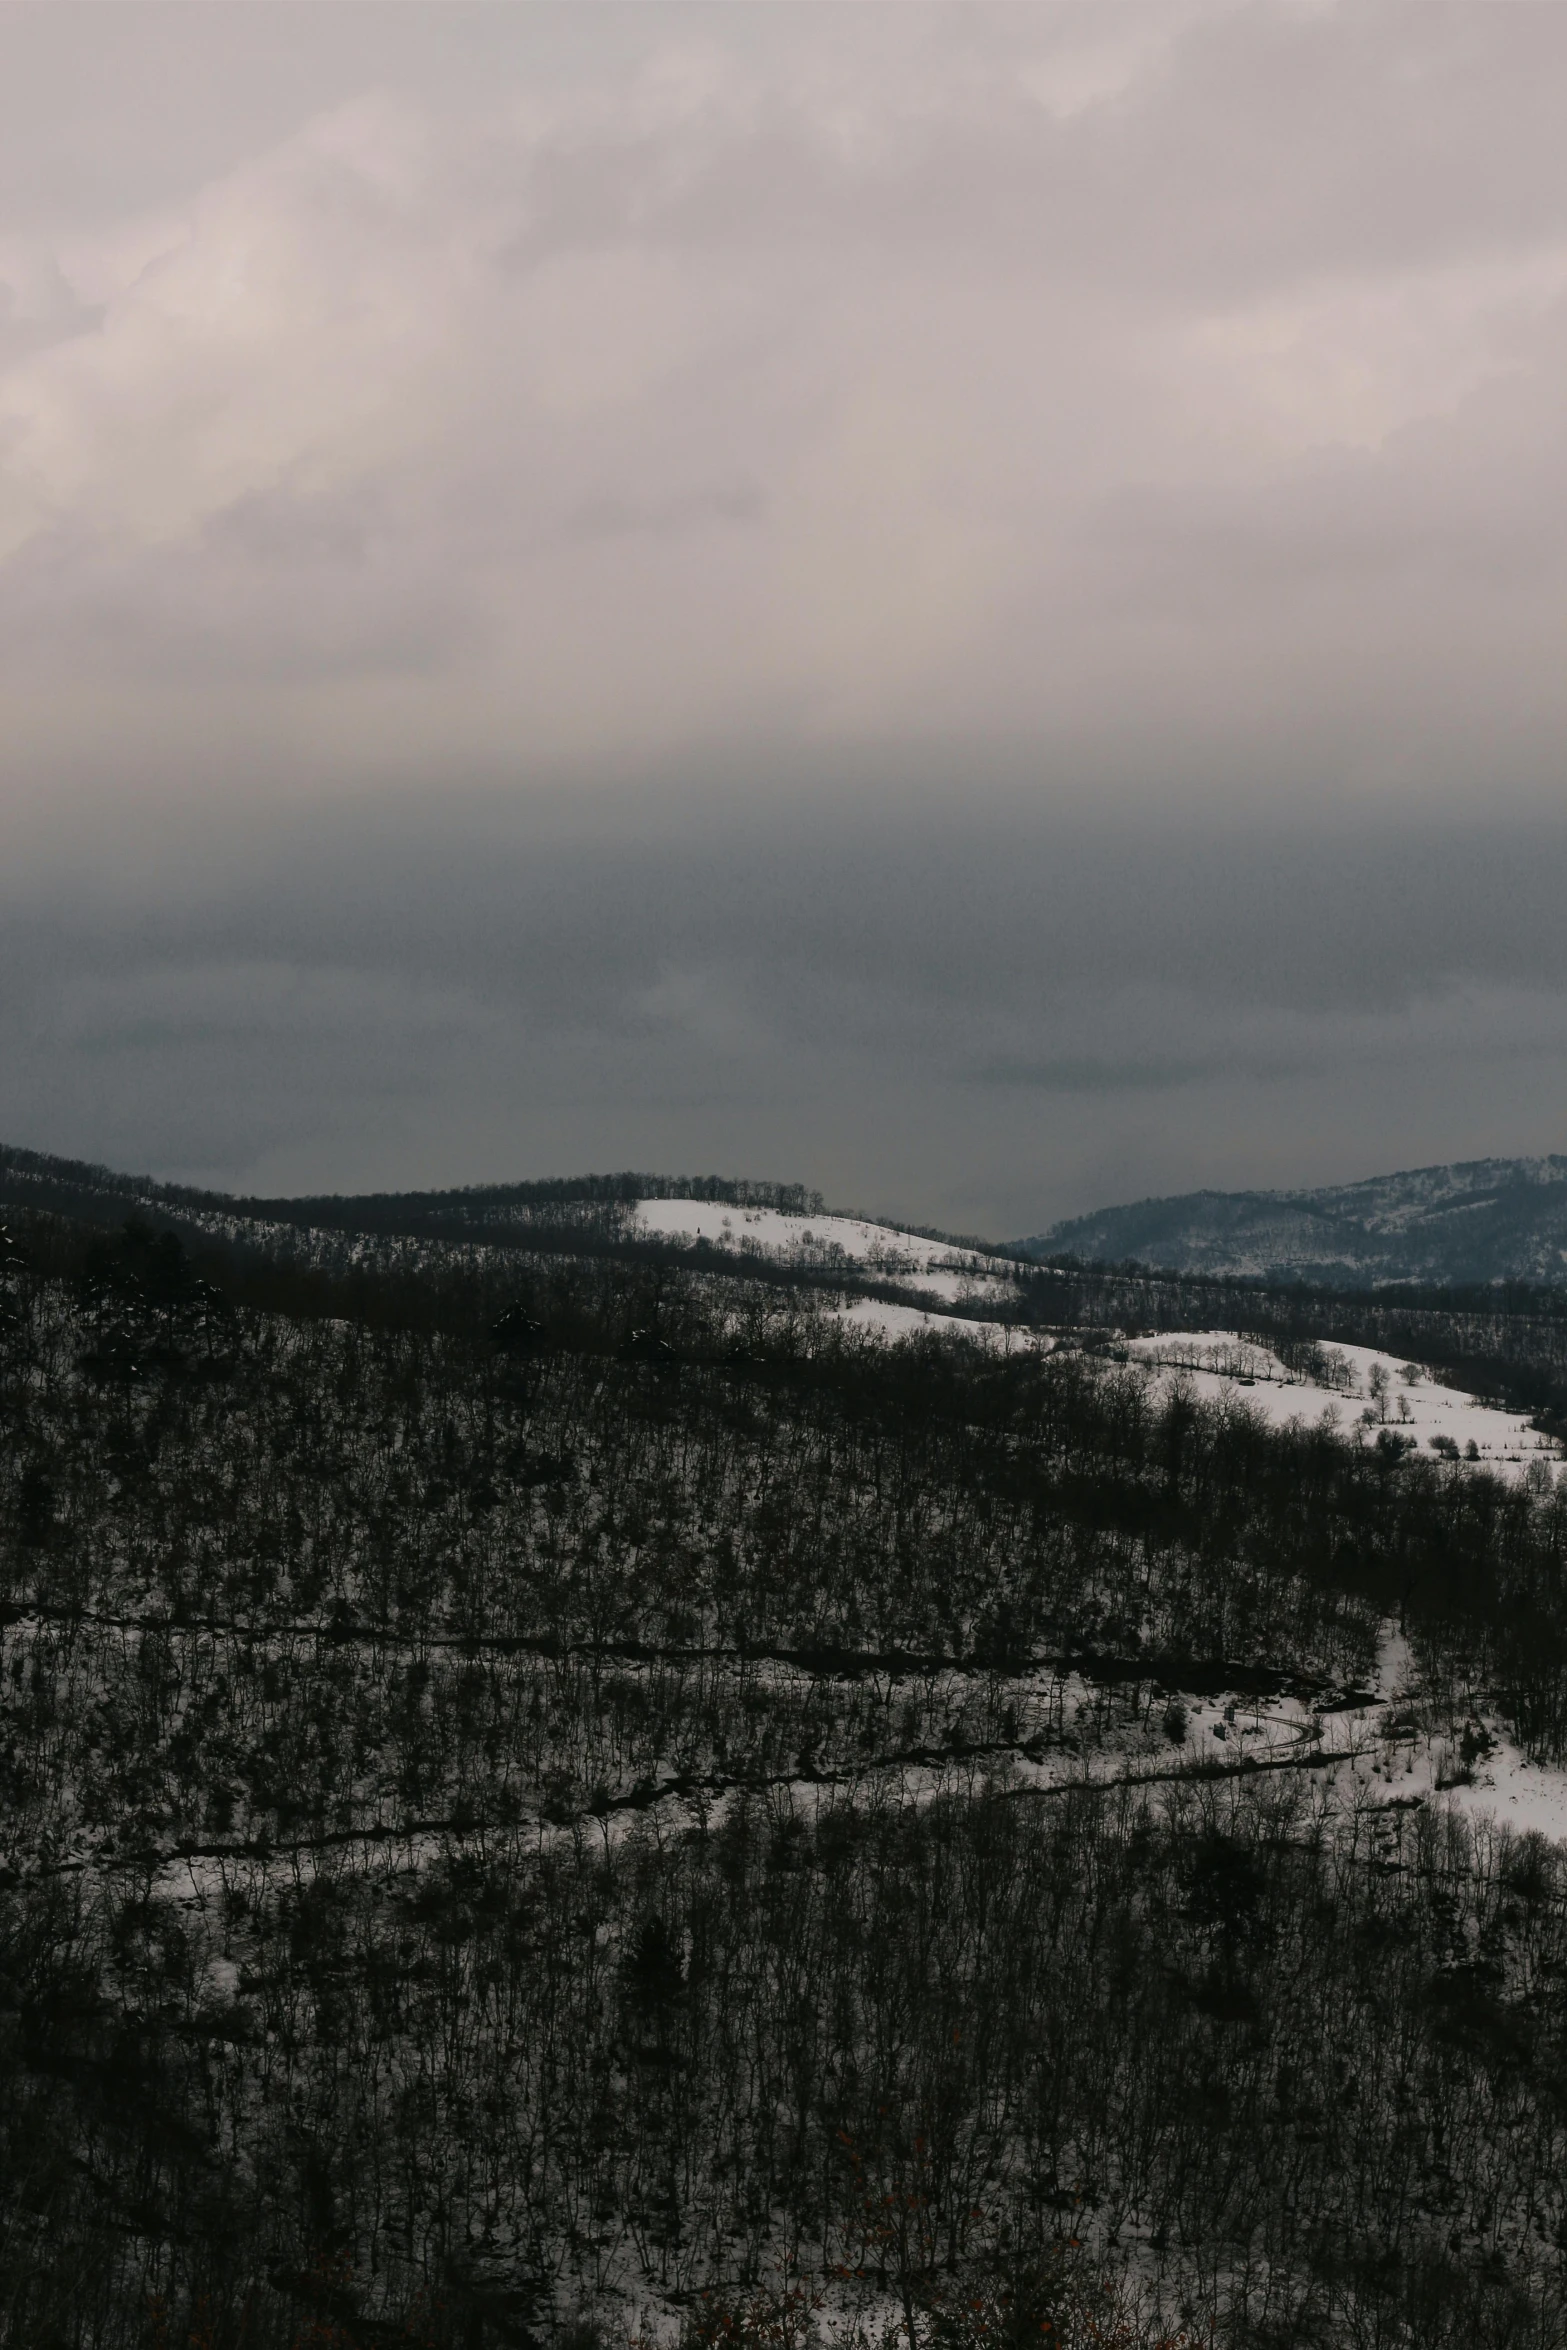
1359,1391
935,1267
880,1318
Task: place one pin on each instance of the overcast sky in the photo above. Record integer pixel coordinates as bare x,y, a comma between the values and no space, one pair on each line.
963,604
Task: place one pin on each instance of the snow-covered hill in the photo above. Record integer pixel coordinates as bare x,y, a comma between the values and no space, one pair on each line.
935,1268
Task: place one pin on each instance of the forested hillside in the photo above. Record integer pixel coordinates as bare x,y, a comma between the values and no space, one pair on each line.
560,1792
1485,1220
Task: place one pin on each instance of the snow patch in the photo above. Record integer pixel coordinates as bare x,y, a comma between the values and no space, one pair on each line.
1359,1391
823,1243
880,1318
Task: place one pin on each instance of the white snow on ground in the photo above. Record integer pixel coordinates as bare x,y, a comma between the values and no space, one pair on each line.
937,1266
1368,1392
1499,1784
956,1288
1521,1795
878,1317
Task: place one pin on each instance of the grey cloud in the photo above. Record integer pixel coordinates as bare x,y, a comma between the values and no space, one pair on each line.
962,602
612,515
1126,1075
22,334
276,588
1262,144
827,397
977,1027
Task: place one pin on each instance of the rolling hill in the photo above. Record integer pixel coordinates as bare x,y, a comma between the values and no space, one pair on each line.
1483,1220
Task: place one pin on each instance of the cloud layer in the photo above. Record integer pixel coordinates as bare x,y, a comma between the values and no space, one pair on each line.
976,1017
978,432
988,375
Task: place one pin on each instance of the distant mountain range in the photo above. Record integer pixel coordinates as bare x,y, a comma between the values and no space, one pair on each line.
1484,1220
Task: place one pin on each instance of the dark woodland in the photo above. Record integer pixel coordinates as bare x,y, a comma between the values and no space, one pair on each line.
548,1795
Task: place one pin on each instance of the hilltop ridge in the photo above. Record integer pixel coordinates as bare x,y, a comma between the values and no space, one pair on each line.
1479,1220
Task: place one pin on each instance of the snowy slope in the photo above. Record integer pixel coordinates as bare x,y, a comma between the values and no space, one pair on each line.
878,1317
1359,1391
936,1268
